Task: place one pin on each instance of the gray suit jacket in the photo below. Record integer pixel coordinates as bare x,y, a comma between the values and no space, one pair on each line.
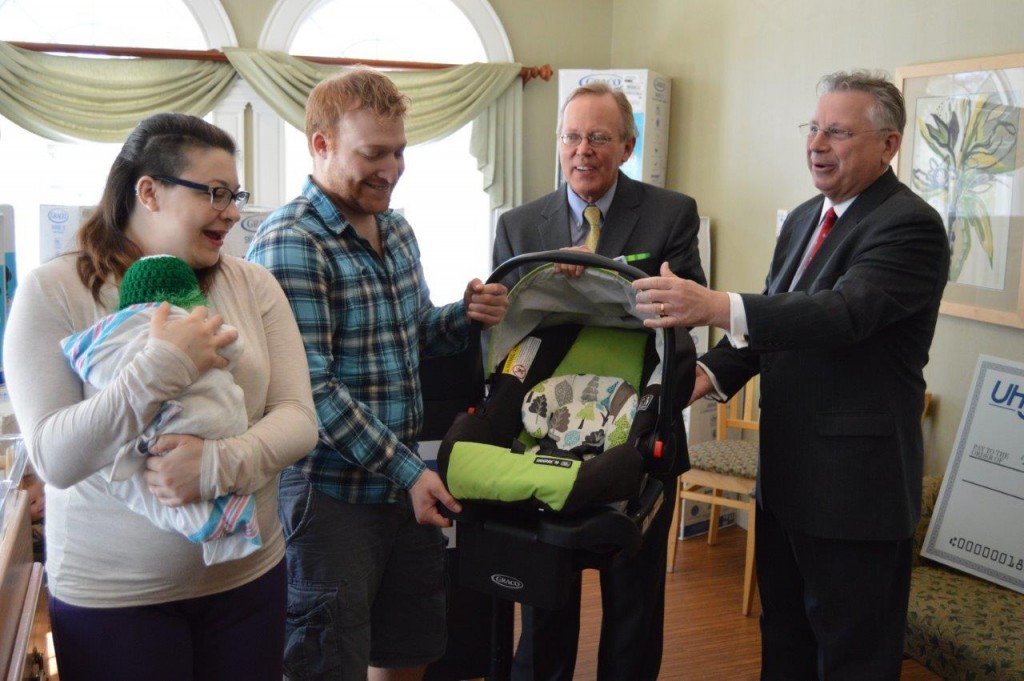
841,359
642,219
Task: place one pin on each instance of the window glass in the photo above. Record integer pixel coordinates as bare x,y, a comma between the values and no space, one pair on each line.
35,171
441,191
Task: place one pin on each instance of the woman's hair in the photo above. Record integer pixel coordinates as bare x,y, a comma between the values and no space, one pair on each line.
159,145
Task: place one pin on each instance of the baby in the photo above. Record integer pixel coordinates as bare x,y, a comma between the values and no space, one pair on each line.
213,407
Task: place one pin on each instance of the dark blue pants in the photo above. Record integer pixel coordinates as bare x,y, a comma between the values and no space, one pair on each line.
236,634
831,609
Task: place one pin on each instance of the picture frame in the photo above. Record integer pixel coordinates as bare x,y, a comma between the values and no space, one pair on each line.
963,152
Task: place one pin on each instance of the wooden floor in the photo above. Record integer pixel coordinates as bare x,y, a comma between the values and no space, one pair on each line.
706,636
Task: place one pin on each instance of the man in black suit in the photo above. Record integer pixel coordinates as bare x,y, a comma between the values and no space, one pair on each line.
646,226
840,340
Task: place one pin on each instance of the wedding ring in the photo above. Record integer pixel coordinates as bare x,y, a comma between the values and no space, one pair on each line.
661,310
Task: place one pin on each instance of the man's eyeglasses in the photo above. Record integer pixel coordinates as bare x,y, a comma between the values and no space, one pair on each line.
220,197
596,139
838,134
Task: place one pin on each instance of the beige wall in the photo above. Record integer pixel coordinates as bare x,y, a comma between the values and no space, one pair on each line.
744,75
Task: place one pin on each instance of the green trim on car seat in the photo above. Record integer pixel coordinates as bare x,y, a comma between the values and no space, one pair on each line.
607,351
479,471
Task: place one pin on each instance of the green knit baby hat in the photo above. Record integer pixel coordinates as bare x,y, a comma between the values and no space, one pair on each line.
156,278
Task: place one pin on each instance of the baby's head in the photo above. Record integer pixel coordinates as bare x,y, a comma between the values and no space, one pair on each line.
157,278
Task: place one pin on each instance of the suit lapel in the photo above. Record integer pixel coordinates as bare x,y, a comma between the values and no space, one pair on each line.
803,227
553,229
865,204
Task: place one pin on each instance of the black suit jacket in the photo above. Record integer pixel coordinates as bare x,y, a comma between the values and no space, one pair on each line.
841,359
641,219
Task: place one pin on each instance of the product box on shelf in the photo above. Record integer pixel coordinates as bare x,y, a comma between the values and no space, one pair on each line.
241,235
58,226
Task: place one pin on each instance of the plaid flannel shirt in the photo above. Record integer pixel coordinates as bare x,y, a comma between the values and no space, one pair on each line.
365,322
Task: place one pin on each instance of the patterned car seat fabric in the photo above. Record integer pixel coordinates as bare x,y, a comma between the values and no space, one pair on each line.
580,415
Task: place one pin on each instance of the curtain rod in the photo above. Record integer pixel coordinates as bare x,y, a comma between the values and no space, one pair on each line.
527,73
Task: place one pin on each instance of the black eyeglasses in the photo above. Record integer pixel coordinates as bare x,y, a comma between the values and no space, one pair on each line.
220,197
596,139
812,130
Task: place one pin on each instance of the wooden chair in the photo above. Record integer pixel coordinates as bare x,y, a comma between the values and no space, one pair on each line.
723,465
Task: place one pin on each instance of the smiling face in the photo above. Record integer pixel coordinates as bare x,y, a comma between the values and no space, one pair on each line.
591,171
180,221
842,169
359,168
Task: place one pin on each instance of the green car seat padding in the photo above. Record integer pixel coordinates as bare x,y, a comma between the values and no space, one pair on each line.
476,469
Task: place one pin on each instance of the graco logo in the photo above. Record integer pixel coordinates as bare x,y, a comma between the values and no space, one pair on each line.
507,582
252,223
58,215
613,81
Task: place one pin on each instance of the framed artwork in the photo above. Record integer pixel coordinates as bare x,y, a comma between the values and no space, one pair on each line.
963,153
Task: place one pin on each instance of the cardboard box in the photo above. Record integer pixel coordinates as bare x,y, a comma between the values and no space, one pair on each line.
241,235
649,94
58,226
8,282
695,517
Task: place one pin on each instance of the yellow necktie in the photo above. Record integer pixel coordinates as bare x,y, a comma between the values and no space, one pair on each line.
592,214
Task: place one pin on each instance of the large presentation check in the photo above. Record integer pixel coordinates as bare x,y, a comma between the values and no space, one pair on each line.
978,522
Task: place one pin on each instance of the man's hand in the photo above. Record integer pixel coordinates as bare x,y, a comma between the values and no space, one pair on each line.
702,386
568,270
196,335
680,302
425,493
172,473
486,303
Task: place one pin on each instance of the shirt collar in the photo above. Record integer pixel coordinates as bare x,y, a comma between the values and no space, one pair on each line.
576,204
840,208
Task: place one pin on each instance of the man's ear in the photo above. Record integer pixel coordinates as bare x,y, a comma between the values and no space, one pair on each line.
319,144
892,146
145,193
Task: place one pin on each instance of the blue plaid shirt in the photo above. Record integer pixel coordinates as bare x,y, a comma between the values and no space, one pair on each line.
365,322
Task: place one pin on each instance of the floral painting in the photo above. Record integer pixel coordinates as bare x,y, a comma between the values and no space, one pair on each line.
963,166
963,154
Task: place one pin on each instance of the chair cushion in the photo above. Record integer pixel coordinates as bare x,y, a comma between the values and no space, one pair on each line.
963,627
728,457
581,414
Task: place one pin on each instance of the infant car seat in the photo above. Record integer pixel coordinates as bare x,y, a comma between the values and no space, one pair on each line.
553,467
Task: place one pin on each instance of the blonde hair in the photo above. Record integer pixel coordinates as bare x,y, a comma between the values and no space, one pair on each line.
360,88
599,88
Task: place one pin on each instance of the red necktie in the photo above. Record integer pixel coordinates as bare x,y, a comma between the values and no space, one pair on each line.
826,227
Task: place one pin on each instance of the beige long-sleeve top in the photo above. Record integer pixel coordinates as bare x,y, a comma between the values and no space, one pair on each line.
100,553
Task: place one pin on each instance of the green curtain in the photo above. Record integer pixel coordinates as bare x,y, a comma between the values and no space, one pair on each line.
441,102
67,97
64,98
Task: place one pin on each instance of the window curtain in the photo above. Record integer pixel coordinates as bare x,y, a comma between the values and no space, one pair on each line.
101,100
441,102
65,98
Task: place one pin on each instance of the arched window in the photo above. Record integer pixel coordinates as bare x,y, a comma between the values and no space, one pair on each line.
440,193
35,171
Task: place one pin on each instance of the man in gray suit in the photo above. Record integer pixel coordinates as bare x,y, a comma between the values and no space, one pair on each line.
645,226
840,337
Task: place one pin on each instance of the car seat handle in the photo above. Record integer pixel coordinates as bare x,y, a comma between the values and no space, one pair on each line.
566,257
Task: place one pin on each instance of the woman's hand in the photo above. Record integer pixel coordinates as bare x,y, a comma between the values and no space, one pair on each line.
196,335
172,473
